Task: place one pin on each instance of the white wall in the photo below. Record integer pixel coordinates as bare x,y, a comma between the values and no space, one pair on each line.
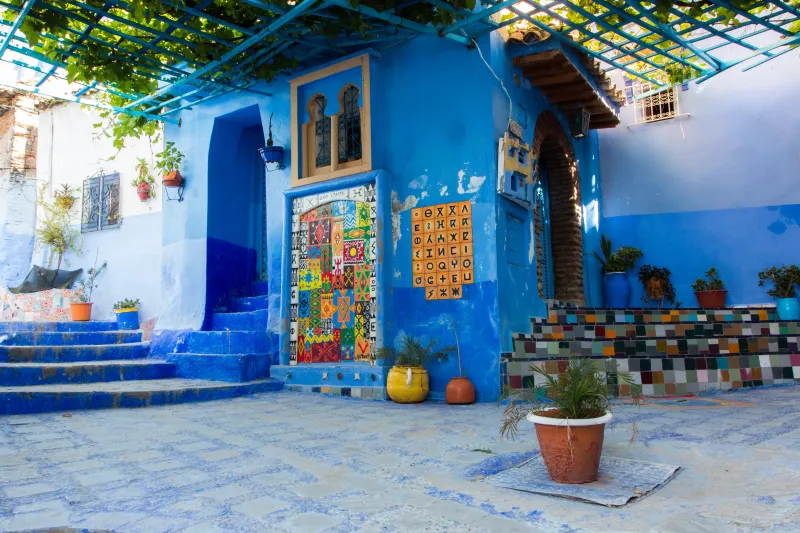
70,150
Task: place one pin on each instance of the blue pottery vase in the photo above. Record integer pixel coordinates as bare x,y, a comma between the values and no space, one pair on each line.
618,290
788,308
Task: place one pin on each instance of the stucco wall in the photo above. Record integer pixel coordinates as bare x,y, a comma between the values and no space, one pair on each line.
716,188
70,151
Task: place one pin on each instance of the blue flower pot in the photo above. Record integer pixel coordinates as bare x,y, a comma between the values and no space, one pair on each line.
271,154
618,290
127,319
788,308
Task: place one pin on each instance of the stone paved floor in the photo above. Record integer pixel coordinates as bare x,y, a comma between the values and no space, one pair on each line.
293,462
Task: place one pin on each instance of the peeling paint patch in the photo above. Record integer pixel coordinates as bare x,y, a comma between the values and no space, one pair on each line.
397,274
531,244
398,207
423,195
443,191
418,183
473,185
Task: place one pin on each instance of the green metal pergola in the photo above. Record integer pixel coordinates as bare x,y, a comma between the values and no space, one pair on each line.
191,63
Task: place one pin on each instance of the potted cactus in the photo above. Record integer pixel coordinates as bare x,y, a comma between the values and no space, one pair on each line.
144,180
784,280
711,291
169,163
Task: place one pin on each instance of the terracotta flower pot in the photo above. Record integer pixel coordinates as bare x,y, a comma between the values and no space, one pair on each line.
711,299
143,190
460,391
654,289
65,202
81,311
571,449
173,179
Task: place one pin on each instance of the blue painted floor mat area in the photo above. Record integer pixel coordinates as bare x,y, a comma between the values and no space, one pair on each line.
620,481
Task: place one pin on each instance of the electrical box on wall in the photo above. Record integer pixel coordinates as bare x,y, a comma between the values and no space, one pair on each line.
516,171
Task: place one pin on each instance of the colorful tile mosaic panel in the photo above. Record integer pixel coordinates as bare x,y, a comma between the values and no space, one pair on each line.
658,316
363,393
45,306
441,249
631,331
333,296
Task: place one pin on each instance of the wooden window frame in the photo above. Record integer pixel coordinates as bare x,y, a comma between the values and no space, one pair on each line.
303,173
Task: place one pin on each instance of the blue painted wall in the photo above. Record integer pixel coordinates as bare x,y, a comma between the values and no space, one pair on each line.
716,188
17,230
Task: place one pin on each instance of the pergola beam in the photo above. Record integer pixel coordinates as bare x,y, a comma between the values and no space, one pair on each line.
15,26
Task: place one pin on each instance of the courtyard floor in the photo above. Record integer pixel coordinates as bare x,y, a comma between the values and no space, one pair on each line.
293,462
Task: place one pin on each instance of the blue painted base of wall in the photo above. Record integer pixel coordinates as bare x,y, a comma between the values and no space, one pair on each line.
739,242
312,375
14,403
222,367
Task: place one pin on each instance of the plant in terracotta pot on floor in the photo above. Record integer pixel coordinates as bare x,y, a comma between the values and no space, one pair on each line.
460,390
82,309
657,285
408,380
784,280
144,180
169,163
570,413
615,267
711,291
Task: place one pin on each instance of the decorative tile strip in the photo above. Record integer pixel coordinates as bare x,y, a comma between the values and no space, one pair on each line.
363,393
657,316
646,331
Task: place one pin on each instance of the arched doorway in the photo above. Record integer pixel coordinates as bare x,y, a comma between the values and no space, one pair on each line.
559,239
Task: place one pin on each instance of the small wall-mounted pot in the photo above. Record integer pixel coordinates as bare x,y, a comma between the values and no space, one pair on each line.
711,299
66,202
143,190
271,154
172,179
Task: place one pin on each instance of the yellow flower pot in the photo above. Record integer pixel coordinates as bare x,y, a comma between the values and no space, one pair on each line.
407,384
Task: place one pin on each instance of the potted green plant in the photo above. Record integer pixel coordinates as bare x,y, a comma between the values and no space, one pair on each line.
144,180
657,285
408,380
710,292
570,412
65,197
127,312
460,390
82,309
169,163
271,153
615,267
55,229
784,279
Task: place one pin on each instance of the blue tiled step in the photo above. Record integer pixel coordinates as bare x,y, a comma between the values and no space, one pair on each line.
43,398
82,338
247,321
222,367
692,330
20,374
57,326
69,354
260,288
223,342
250,303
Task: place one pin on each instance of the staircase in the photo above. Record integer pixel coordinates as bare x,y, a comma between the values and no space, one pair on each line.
57,366
669,352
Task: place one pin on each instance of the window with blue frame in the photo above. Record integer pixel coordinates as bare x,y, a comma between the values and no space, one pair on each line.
100,203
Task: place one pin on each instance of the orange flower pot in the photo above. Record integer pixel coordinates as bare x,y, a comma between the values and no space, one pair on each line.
81,311
459,391
172,179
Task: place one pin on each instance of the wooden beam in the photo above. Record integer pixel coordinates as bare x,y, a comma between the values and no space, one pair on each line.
570,94
602,125
548,69
534,59
567,78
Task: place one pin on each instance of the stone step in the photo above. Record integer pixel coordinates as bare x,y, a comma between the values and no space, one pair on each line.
42,398
223,342
656,316
222,367
250,303
22,374
260,288
80,338
247,321
525,347
58,326
654,331
70,354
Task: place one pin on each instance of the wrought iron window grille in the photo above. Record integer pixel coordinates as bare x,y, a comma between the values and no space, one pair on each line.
350,126
322,132
100,202
655,106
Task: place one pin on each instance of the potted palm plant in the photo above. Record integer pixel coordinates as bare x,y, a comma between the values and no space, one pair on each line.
169,163
570,413
615,267
408,380
81,310
711,291
657,285
144,180
127,312
784,280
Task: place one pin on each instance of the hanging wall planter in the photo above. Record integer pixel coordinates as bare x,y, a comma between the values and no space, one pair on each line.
143,190
271,154
144,180
169,163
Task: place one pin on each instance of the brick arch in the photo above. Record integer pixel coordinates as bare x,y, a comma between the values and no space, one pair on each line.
554,149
